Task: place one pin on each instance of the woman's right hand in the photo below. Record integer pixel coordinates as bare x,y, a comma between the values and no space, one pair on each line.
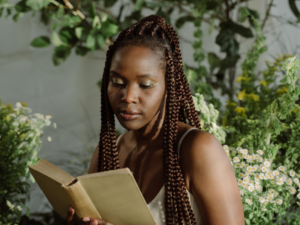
85,220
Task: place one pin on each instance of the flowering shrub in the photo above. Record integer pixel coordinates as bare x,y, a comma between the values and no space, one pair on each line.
265,188
20,141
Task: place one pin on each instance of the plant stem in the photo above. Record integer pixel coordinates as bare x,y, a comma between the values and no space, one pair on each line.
267,14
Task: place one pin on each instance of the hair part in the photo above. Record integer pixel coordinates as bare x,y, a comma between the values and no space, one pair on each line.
153,32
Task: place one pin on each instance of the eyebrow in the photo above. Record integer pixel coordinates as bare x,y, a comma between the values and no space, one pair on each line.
142,75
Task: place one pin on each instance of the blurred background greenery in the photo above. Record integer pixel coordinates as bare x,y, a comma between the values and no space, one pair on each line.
223,73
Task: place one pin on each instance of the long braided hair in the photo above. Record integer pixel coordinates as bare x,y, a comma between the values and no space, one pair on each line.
155,33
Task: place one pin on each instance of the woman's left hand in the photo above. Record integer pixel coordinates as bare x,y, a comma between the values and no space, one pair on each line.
95,221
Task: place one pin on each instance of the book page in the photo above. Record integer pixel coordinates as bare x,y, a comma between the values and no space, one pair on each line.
50,179
116,195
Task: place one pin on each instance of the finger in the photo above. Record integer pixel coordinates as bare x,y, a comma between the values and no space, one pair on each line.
70,215
99,222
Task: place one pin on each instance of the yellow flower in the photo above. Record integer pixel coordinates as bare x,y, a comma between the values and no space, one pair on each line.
240,110
253,97
282,90
263,83
241,95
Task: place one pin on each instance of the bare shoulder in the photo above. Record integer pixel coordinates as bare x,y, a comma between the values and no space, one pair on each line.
201,153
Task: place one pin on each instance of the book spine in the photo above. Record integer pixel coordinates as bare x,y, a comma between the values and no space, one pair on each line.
80,201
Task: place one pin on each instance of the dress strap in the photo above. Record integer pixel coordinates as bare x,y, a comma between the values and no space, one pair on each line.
117,141
181,139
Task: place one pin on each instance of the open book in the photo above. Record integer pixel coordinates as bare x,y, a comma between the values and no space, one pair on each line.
112,195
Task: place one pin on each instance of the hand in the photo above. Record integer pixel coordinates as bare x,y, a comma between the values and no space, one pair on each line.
85,220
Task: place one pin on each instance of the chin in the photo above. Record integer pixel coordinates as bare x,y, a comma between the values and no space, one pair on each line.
131,124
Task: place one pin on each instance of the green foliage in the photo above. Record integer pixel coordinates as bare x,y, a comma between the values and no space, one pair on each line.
269,187
20,141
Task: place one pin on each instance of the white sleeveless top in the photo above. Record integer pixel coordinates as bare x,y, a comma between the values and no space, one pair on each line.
157,205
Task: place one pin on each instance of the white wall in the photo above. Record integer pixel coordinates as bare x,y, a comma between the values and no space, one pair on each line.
69,92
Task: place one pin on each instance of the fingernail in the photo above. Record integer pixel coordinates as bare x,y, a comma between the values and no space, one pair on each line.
86,219
93,222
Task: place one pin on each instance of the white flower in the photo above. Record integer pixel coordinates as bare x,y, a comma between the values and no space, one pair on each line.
267,177
275,194
260,159
264,209
267,164
292,173
18,105
243,164
282,168
236,159
289,181
251,188
250,168
264,169
11,206
260,152
241,175
242,192
292,190
262,200
249,201
54,125
279,181
296,180
276,173
258,187
246,179
19,208
49,138
298,195
261,176
279,201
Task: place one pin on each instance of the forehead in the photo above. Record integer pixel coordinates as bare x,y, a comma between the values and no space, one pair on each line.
136,59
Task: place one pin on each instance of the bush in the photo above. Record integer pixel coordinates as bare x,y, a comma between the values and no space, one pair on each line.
20,141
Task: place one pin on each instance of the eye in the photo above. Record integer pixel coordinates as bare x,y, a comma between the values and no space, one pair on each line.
117,82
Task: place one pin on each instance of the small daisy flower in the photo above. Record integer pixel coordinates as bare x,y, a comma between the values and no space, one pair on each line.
292,173
225,147
54,125
242,192
251,182
240,156
276,173
267,164
284,178
260,159
279,201
19,208
260,152
275,194
49,138
272,177
245,185
240,182
267,177
292,190
237,165
251,188
296,180
282,168
257,180
269,172
256,176
289,181
256,167
253,157
241,175
249,201
258,187
279,181
243,164
250,168
261,176
298,195
246,179
236,159
245,151
264,169
262,199
264,209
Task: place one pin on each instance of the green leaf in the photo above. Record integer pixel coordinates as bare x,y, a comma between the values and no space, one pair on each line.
17,16
37,4
138,4
82,51
22,7
213,61
109,29
67,35
153,5
90,41
227,42
243,31
1,11
109,3
60,54
92,11
294,8
60,12
55,39
96,23
78,32
100,40
182,20
39,42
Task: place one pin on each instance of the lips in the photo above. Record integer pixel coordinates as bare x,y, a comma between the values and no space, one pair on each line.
129,114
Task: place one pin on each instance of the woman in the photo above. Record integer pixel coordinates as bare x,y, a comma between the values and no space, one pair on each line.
183,172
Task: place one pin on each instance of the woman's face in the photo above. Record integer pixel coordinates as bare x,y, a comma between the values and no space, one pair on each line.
136,86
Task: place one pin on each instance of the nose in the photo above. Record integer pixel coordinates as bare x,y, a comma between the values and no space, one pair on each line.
130,94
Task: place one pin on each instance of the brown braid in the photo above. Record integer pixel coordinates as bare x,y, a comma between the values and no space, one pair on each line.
153,32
